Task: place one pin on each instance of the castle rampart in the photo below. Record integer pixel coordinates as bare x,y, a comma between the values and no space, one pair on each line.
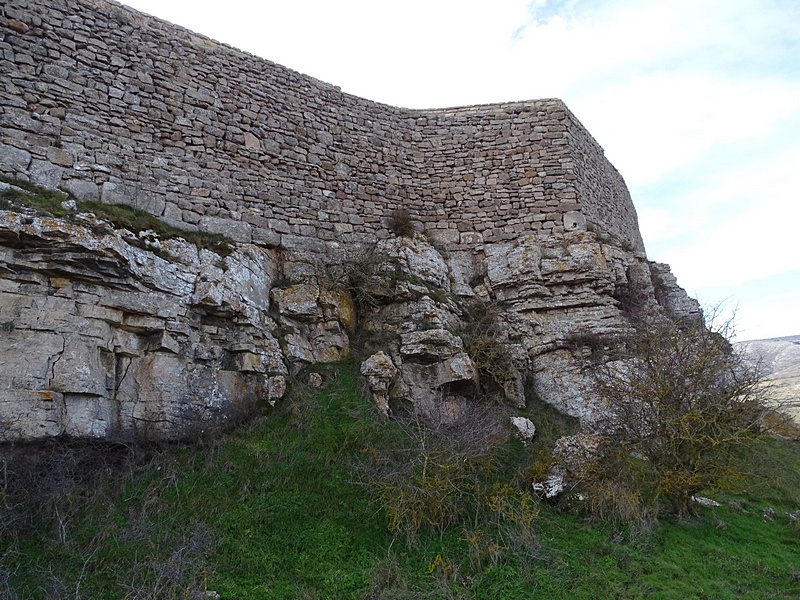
111,104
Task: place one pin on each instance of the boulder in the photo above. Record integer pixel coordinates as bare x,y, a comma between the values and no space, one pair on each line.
525,428
380,372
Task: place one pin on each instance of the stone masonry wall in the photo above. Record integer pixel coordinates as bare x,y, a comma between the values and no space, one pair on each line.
499,171
606,201
111,104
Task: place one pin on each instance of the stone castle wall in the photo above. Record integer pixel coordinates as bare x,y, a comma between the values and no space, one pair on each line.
111,104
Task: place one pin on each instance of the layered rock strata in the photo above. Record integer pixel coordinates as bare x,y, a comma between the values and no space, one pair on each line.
104,333
101,338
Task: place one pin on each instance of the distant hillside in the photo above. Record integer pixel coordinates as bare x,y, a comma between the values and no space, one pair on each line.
780,360
777,354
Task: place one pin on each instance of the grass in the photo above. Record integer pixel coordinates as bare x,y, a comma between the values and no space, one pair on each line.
278,509
49,202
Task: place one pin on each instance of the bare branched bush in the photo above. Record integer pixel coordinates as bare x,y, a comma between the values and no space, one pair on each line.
682,405
618,490
513,511
182,573
427,481
41,484
368,275
482,338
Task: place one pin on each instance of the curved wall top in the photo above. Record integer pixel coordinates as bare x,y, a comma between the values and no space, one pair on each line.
108,103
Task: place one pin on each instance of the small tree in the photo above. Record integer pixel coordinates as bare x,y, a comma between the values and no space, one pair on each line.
682,404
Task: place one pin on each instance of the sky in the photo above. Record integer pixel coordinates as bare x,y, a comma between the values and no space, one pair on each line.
696,102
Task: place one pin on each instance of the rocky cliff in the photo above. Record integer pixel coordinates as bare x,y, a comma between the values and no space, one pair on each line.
110,334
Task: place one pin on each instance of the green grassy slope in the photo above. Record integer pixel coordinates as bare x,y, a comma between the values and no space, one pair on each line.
277,509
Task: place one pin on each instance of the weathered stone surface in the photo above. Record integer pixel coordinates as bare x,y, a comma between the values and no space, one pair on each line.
18,26
670,295
380,372
528,216
339,306
103,339
574,452
574,221
509,264
276,388
554,303
551,486
706,502
82,189
133,196
146,363
525,428
316,323
45,174
461,268
14,159
417,260
329,341
430,345
251,142
59,157
236,230
298,301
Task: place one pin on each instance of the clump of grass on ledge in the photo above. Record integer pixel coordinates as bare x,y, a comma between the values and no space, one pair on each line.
136,220
50,202
33,196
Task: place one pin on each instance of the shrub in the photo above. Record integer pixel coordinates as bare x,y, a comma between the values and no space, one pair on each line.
483,344
401,223
682,405
434,473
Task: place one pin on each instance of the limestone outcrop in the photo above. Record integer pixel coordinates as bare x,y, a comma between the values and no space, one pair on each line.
505,316
103,338
105,333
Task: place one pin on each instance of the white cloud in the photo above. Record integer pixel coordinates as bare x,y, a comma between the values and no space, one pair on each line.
761,315
739,227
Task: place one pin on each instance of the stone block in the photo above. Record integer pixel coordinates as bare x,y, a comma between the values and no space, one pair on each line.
471,238
59,157
82,189
574,221
266,237
238,231
87,416
443,236
134,196
14,159
33,414
45,174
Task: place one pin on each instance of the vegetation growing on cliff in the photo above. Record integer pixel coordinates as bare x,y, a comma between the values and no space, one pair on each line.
51,202
282,508
681,407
